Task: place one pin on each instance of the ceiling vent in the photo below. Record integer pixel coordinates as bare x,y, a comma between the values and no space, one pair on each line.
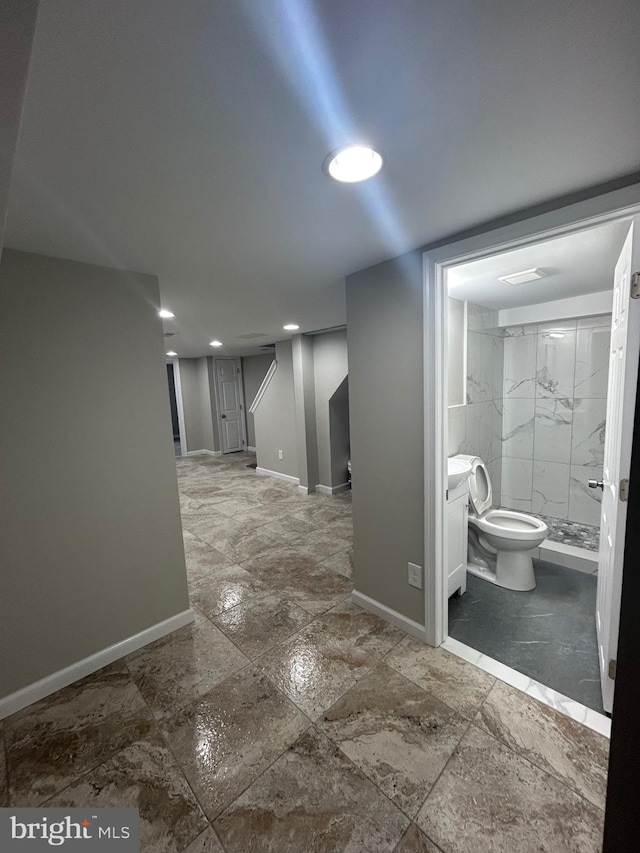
522,277
251,336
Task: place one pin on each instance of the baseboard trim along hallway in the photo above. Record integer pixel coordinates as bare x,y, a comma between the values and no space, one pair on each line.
389,615
64,677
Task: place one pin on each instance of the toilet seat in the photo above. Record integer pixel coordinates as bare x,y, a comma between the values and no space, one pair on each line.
509,524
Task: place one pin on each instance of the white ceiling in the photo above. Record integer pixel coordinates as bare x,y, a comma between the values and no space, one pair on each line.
187,139
572,265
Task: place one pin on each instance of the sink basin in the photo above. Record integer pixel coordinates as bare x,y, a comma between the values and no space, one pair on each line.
457,472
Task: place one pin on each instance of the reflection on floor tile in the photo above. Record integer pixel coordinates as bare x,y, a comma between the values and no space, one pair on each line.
143,776
229,736
276,645
397,734
459,684
499,797
182,666
312,799
315,667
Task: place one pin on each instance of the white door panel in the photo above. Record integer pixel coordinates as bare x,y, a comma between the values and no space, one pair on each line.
623,375
228,398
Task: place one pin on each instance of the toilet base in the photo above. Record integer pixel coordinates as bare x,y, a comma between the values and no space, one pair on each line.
514,571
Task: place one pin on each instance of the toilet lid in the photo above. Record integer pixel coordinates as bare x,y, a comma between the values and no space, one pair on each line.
480,493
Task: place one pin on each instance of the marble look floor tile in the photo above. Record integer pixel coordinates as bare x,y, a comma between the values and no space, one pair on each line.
320,544
261,622
342,527
505,804
365,630
341,563
315,667
143,776
415,841
227,738
321,514
207,842
560,746
460,685
182,666
203,559
224,589
246,544
201,505
313,800
396,733
4,789
54,741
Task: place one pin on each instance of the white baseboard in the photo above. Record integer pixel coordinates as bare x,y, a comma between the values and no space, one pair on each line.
332,490
303,490
286,477
57,680
252,449
203,453
415,629
569,556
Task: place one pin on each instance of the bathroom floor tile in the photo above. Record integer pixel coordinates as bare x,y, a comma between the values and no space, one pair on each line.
54,741
182,666
365,630
459,684
505,804
228,737
261,622
143,776
564,748
315,667
314,800
396,733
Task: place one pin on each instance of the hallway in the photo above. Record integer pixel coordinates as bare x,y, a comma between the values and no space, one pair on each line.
288,720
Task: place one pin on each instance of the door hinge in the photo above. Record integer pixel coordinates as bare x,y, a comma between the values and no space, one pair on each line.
635,285
624,490
612,669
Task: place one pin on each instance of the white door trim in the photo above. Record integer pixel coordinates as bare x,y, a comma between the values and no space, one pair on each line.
243,419
616,205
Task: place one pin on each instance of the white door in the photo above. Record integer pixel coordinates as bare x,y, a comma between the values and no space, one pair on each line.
229,399
623,375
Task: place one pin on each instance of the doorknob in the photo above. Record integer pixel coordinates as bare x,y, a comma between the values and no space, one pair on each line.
593,484
223,416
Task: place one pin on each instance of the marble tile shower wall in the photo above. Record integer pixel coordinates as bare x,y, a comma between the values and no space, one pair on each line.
476,428
554,408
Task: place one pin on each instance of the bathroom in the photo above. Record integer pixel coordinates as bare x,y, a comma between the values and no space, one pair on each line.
527,369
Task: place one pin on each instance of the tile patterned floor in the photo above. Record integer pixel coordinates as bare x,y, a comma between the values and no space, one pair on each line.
288,720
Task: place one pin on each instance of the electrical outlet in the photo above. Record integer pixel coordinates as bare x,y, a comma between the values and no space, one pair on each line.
415,575
280,454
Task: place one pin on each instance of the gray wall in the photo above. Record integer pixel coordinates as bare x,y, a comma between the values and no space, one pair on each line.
331,366
275,418
384,328
304,383
254,369
340,434
91,549
198,404
17,27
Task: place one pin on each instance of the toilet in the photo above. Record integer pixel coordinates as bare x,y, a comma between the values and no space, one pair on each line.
500,540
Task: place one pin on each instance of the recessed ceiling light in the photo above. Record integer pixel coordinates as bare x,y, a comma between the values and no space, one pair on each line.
291,327
522,277
171,353
166,315
554,335
353,163
216,343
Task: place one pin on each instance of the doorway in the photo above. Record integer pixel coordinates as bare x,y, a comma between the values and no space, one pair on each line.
229,405
440,266
173,404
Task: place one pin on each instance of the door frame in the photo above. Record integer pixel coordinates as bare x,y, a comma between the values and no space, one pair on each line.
243,419
617,205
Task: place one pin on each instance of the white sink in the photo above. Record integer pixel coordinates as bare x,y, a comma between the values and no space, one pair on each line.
457,472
